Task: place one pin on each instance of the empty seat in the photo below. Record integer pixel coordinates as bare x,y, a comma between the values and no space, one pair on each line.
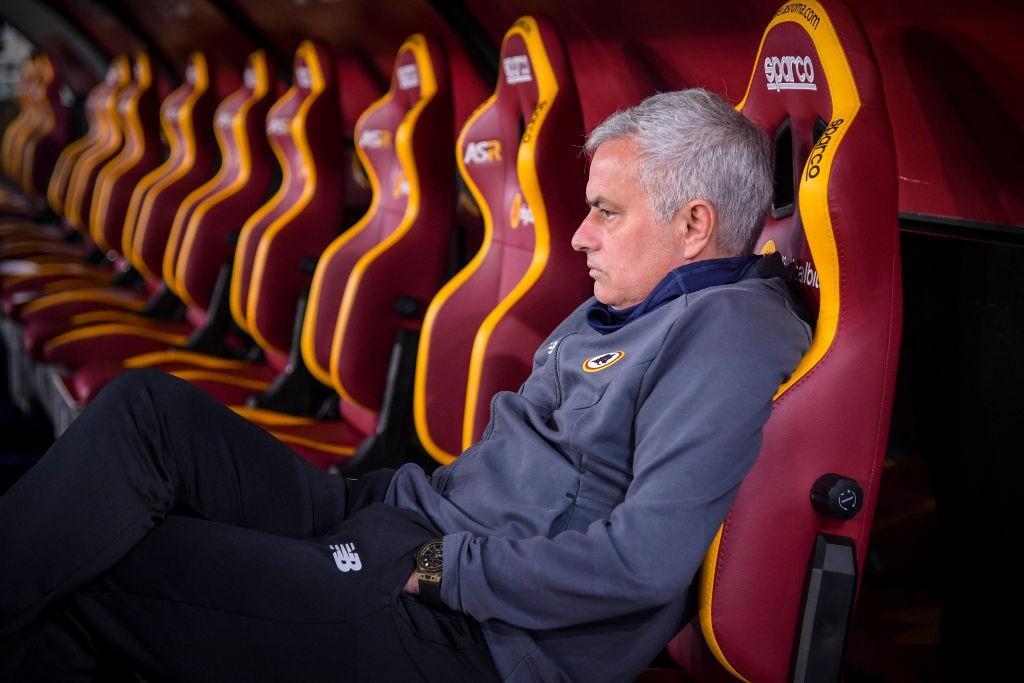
307,202
375,280
518,155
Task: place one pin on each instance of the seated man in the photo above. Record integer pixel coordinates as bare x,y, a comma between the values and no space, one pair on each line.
165,532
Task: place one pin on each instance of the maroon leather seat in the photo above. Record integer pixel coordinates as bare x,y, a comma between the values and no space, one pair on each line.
49,136
198,245
132,148
295,224
375,279
777,585
186,117
516,156
43,259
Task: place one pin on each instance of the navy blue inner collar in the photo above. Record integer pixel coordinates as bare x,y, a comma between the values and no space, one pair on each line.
686,279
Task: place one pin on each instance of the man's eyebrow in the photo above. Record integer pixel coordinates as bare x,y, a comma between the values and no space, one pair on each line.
596,201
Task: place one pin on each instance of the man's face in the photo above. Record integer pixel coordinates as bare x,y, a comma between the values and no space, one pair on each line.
628,251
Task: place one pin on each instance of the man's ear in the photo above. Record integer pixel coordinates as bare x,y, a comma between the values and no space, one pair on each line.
698,221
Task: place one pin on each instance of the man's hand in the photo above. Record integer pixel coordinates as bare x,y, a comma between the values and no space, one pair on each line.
412,586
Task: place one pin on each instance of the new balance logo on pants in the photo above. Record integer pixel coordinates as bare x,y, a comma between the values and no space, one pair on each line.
346,557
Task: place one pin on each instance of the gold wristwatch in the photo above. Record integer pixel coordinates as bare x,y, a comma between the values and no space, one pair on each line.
429,563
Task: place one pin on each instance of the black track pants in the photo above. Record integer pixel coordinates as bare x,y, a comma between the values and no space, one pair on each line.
164,532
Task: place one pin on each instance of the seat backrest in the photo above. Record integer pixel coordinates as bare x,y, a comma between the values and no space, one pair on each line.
518,154
82,185
198,244
99,102
50,133
399,249
816,89
305,213
186,117
25,94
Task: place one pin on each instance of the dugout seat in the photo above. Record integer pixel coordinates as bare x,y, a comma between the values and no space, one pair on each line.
24,278
186,117
50,133
27,96
518,154
98,106
293,226
29,240
372,283
777,587
198,246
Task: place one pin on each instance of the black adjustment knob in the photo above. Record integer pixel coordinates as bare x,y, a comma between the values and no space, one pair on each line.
407,307
837,496
307,265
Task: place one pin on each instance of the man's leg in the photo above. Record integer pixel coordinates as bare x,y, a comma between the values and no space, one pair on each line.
149,444
197,601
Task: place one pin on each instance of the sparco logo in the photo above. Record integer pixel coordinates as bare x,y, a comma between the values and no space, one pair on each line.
789,73
517,69
818,151
482,152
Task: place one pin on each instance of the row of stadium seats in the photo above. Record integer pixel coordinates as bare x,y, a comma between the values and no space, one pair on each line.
335,339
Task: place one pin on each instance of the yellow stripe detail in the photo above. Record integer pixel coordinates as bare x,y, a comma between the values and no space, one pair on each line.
130,154
110,138
311,443
93,317
272,417
114,329
817,225
100,296
403,148
179,132
298,131
176,265
43,127
308,339
547,87
232,380
148,360
446,292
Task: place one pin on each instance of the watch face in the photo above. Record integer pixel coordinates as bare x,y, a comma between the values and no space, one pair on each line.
430,556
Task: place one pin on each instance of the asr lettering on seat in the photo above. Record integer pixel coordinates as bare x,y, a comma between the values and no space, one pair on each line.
375,138
482,152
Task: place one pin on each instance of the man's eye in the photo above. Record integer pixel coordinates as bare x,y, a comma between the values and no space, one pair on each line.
606,213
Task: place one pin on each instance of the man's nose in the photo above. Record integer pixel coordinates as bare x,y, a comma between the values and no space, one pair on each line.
581,240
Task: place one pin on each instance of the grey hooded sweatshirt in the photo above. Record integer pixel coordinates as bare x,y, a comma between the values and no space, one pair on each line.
573,529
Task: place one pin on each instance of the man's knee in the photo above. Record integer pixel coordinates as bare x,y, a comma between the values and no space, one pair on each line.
145,386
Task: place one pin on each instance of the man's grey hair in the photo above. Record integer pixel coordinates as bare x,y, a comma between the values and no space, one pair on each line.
694,145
